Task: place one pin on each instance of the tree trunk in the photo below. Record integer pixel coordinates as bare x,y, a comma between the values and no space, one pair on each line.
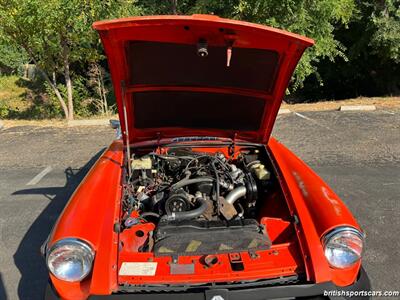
103,91
47,78
60,98
174,7
68,81
54,78
100,94
57,93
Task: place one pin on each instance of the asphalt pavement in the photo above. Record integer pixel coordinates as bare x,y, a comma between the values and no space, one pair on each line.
356,153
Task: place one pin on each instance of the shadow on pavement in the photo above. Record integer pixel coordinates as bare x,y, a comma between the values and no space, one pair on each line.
3,295
27,258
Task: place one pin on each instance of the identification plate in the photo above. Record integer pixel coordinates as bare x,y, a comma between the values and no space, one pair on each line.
138,269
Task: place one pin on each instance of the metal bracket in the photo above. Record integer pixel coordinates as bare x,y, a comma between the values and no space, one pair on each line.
126,132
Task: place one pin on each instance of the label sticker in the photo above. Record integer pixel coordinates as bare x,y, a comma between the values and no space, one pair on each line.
138,269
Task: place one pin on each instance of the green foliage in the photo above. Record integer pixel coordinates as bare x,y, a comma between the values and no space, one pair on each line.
57,35
4,110
42,27
9,86
12,57
316,19
83,100
357,47
372,39
25,99
12,95
43,106
386,22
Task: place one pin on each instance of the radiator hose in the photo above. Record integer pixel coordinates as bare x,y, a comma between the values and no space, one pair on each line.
185,182
235,194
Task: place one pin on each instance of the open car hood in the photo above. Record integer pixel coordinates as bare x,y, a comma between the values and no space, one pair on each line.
200,75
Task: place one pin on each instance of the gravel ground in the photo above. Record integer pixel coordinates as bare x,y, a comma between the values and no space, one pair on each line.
357,153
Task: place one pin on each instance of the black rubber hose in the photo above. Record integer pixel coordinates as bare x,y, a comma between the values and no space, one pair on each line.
190,214
185,182
216,180
216,186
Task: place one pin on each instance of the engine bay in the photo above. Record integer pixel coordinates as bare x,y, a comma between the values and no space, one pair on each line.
199,201
200,210
187,185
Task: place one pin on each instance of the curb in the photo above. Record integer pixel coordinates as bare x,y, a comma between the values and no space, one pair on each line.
357,107
283,111
94,122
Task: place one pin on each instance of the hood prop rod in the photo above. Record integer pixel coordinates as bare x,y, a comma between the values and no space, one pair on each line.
128,150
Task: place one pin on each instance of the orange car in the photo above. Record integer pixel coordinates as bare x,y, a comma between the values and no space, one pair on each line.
195,200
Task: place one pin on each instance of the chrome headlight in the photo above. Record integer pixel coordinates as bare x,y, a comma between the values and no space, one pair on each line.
70,259
343,246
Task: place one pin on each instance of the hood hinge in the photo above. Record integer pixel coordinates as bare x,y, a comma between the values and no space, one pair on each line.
232,147
158,141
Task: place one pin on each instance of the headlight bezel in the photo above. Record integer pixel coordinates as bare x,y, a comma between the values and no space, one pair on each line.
334,233
74,242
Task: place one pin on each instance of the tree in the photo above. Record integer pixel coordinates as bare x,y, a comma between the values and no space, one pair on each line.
57,34
96,76
385,43
372,40
313,18
386,22
12,57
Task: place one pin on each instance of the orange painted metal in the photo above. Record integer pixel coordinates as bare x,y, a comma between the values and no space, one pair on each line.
90,215
283,259
296,247
280,260
295,220
318,209
170,29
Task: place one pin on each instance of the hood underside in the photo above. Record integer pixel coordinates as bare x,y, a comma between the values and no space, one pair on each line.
198,75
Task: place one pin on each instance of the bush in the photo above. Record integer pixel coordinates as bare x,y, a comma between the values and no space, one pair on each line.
22,98
4,110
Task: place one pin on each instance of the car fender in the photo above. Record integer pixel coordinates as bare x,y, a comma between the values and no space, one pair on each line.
318,210
90,215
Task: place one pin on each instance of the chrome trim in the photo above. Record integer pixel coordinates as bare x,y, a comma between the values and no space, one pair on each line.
68,241
44,247
325,238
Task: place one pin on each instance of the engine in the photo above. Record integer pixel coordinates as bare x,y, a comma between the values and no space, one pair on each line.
194,202
188,185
